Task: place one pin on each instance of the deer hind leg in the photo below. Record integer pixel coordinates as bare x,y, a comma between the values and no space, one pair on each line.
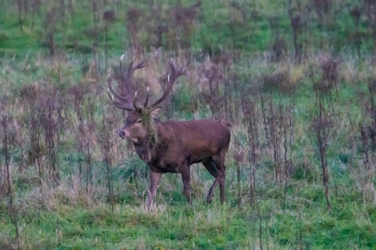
186,176
217,172
222,184
211,167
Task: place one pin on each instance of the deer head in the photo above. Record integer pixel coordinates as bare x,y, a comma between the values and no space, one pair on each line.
139,125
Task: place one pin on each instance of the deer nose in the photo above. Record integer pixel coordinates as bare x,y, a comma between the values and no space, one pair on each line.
122,134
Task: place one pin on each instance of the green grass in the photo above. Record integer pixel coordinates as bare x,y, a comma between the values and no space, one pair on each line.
350,224
211,29
291,216
65,217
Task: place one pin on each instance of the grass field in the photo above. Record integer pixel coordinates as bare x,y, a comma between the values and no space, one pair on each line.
301,162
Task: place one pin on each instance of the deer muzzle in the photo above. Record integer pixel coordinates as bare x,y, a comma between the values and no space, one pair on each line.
125,134
122,134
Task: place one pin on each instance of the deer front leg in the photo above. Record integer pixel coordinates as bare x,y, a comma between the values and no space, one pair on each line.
154,181
186,176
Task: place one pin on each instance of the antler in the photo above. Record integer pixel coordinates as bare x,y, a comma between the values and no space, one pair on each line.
126,82
126,78
175,74
124,99
147,99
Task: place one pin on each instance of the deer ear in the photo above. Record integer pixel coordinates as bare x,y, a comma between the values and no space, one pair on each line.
155,111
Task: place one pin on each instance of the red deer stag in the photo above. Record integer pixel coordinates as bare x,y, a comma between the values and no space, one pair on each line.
172,146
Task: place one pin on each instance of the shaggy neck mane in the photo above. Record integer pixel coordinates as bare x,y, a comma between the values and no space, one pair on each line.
145,145
142,150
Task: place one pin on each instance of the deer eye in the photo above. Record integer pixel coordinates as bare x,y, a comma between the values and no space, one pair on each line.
139,121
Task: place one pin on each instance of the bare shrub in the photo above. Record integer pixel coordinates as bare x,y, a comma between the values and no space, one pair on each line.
238,157
78,92
323,8
252,122
215,100
8,142
182,25
133,23
49,124
104,135
368,189
322,126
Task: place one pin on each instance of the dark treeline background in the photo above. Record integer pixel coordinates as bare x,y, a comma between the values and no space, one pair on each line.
255,26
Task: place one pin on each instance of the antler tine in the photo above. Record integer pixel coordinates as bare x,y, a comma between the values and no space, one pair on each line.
117,104
147,98
122,74
175,74
141,65
132,69
135,102
130,72
113,91
122,106
126,78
